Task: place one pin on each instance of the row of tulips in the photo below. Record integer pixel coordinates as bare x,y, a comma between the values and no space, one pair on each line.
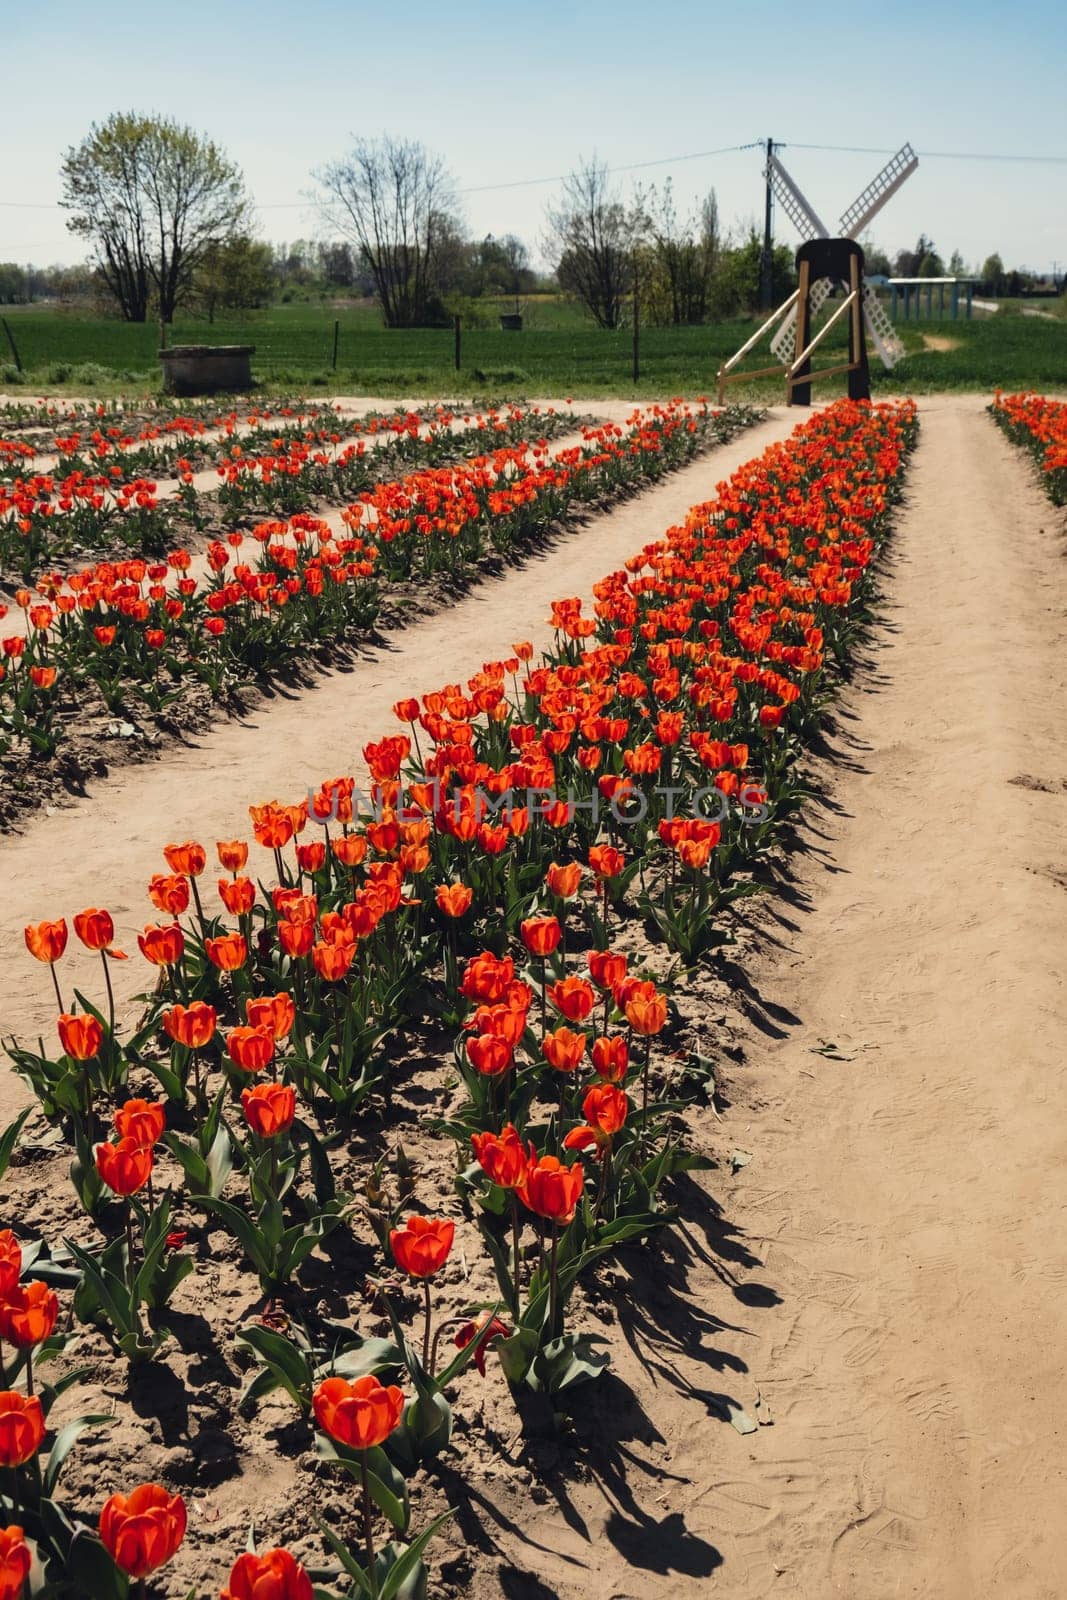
95,504
1039,426
515,843
133,633
86,441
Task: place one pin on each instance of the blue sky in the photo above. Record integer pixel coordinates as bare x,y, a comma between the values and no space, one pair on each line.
507,93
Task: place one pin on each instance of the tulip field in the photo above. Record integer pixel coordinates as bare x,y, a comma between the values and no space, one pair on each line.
338,1136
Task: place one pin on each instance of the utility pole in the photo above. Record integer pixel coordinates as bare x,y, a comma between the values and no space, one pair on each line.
767,258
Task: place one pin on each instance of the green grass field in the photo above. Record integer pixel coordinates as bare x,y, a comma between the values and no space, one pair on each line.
557,353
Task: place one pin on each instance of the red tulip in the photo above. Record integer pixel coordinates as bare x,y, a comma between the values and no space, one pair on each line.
360,1414
142,1121
95,929
268,1575
269,1108
47,940
503,1157
422,1245
192,1026
15,1562
81,1036
142,1531
10,1261
552,1190
21,1427
126,1166
28,1314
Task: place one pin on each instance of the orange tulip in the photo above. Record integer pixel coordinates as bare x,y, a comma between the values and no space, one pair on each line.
28,1314
10,1261
311,857
349,849
605,1109
611,1057
251,1049
503,1157
142,1121
232,854
486,977
333,961
169,893
15,1563
274,1011
606,968
296,938
453,899
646,1010
21,1427
552,1190
563,881
573,997
187,859
95,929
606,861
164,947
272,825
125,1166
421,1247
81,1036
540,935
238,895
47,940
564,1049
269,1108
192,1025
228,952
142,1531
489,1054
360,1414
268,1575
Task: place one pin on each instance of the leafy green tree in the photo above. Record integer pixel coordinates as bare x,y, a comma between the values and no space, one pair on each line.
151,197
14,283
234,274
994,277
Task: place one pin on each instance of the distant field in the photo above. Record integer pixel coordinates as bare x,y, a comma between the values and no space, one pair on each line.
557,353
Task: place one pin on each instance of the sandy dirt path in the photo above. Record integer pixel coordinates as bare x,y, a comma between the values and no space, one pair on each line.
103,850
888,1270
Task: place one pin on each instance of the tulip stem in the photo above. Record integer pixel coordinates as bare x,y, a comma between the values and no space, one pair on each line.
644,1085
55,985
516,1271
29,1369
110,995
553,1282
131,1272
368,1528
426,1366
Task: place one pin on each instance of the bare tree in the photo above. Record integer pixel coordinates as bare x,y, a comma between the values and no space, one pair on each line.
396,201
592,236
682,256
152,197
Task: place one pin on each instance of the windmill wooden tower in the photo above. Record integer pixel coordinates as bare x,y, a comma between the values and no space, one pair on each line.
823,261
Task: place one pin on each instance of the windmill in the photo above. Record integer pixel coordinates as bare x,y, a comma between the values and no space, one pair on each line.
858,216
824,260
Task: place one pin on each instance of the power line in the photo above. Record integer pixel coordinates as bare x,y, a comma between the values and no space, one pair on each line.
634,166
929,155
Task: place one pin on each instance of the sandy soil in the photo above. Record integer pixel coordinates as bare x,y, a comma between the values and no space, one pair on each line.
882,1279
